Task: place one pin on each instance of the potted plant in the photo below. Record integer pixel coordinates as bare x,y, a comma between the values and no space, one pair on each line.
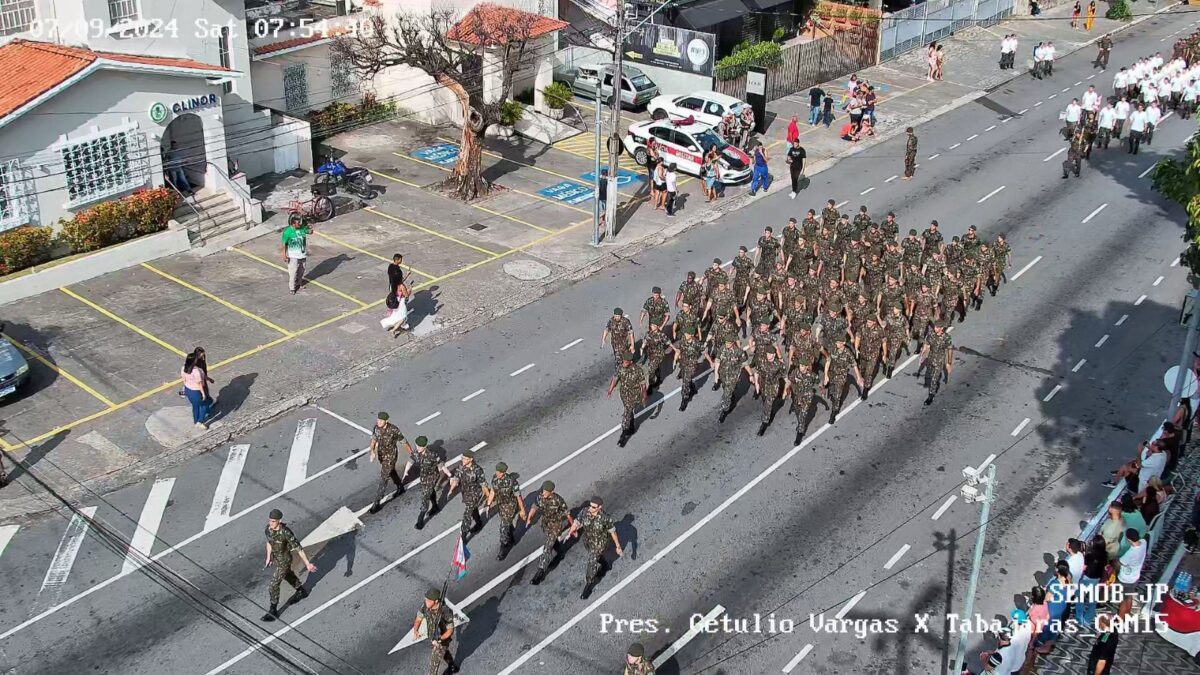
557,95
511,112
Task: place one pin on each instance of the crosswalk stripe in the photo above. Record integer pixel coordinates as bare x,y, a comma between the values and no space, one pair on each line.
6,534
297,468
64,557
231,475
142,542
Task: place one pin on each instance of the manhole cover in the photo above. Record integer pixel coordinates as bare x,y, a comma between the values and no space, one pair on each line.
526,270
478,227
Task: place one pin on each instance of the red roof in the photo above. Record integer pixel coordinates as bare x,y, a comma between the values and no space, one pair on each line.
487,24
292,43
34,68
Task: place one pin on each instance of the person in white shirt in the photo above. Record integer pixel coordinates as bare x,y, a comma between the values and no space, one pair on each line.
1039,60
1075,559
1004,53
1153,115
1189,101
1156,61
1132,559
1149,92
1177,84
1122,110
1022,635
1105,121
1050,59
1012,51
1137,127
1091,99
1071,116
1121,82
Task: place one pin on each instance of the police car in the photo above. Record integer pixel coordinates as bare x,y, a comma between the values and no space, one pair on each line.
684,143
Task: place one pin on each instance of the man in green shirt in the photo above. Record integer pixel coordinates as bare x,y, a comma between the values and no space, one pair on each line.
295,251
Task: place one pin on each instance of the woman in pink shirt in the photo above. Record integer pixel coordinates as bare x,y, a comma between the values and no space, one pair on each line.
195,387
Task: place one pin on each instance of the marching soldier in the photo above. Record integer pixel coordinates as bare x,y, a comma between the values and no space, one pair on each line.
430,469
810,226
742,265
475,491
767,253
505,497
932,239
805,348
889,226
690,292
761,310
834,326
869,345
790,237
598,530
728,367
910,154
384,439
970,243
838,368
619,333
633,394
439,625
688,352
554,509
829,215
801,386
923,311
655,346
686,321
911,247
1001,261
1075,152
722,330
714,278
281,543
722,304
895,339
767,376
862,220
936,357
655,310
636,662
762,343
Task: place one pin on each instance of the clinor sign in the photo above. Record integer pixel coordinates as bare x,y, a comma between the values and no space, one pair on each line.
194,103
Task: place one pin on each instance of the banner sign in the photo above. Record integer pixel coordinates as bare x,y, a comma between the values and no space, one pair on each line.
670,47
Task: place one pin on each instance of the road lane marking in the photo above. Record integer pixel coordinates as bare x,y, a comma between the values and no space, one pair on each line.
142,542
224,303
1121,320
870,189
1148,170
1006,120
989,128
425,419
955,146
1056,154
896,557
363,251
37,356
691,633
477,447
227,484
522,369
6,534
1175,262
1075,85
1139,301
1078,365
161,343
1159,280
1023,111
1102,341
297,466
1093,213
1066,89
306,279
1091,76
850,605
945,506
972,137
64,556
1051,96
935,155
472,395
570,344
841,203
1025,269
990,458
1021,427
891,179
1053,392
434,233
343,420
797,658
1037,104
990,194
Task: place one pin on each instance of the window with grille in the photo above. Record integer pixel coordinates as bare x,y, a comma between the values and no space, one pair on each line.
295,88
122,10
341,76
16,16
102,167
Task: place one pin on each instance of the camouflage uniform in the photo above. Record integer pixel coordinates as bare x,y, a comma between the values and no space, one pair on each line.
768,253
554,511
829,217
911,250
686,321
910,156
282,543
723,303
790,237
954,255
862,222
833,328
386,439
891,296
770,374
763,342
655,346
429,467
508,492
721,331
762,310
923,314
935,361
875,274
471,482
657,310
690,352
1000,253
596,531
933,241
642,666
841,362
890,228
631,380
870,347
805,349
810,226
895,331
619,330
742,265
692,293
731,359
437,621
803,386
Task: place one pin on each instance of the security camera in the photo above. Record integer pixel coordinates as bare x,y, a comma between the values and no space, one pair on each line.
970,474
971,494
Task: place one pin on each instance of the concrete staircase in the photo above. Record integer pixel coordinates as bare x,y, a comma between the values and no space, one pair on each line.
210,215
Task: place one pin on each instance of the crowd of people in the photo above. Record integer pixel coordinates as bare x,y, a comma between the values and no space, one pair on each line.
827,302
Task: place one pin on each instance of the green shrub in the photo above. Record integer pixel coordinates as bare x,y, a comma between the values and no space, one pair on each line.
557,95
23,247
118,220
762,54
511,112
779,35
341,116
1118,10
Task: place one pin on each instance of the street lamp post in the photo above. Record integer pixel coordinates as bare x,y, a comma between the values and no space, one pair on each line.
970,494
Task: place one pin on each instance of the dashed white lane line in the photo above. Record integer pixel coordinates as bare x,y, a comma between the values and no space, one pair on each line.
1056,154
1091,76
692,632
570,344
472,395
522,369
1078,365
1051,96
64,556
478,446
1021,427
972,137
1093,214
850,605
1037,104
1121,320
6,535
142,541
1066,89
867,190
227,484
841,203
791,665
955,146
343,420
896,557
1006,120
1175,262
1159,280
989,128
426,418
1025,269
1148,170
991,194
1023,111
297,465
1076,84
1139,301
945,506
891,179
1053,392
986,463
1102,341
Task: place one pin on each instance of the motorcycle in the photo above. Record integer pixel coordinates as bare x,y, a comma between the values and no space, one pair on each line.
356,180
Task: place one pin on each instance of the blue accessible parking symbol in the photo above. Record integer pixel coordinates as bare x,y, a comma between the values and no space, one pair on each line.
624,177
568,192
442,155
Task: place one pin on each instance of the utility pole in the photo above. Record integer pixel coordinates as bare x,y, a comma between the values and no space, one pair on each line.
1186,360
598,127
614,139
970,494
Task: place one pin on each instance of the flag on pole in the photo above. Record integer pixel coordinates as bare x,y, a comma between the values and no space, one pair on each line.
461,556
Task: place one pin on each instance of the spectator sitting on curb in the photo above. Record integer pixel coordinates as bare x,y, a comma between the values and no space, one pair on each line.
1150,462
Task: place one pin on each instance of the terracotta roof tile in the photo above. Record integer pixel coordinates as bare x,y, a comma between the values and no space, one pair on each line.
292,43
492,25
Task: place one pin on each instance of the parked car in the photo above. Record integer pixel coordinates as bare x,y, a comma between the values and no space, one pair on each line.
636,89
14,369
685,143
707,107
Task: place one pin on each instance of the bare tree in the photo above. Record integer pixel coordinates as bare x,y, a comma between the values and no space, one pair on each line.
452,52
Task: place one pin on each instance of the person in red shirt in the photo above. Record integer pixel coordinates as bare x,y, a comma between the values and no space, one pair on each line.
793,130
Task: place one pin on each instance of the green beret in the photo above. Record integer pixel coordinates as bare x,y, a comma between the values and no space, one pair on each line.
422,441
617,311
804,325
597,501
637,649
716,261
275,514
470,454
913,232
434,595
656,289
384,416
953,238
548,486
835,307
502,467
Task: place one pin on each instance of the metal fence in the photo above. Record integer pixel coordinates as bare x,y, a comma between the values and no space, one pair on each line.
805,64
921,24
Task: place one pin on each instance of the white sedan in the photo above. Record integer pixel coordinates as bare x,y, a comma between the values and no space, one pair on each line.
706,107
685,145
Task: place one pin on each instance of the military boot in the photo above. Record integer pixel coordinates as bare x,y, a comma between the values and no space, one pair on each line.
271,614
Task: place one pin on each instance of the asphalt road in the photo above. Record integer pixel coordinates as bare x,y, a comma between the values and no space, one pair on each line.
712,514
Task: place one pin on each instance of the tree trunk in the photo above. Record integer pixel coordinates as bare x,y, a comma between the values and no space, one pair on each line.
465,180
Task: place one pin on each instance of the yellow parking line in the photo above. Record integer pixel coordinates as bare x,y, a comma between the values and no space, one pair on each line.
365,252
432,232
605,112
210,296
398,180
314,282
515,220
161,343
46,362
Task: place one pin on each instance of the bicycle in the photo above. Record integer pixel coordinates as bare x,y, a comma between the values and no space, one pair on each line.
319,207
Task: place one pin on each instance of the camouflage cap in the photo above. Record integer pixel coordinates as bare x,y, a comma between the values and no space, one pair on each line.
384,416
913,232
501,467
804,325
469,454
637,649
433,594
422,441
548,486
275,514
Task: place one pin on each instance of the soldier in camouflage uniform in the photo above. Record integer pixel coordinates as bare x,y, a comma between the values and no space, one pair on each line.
768,252
869,344
690,293
788,295
1001,261
742,265
936,357
874,274
932,239
911,249
801,386
633,394
845,229
860,311
636,662
384,440
768,377
761,310
687,322
910,154
554,509
688,353
619,332
834,326
862,221
794,314
762,342
722,303
655,346
728,367
804,347
831,294
439,625
505,497
970,241
475,491
598,530
923,312
895,338
810,226
829,215
281,543
655,310
431,470
722,330
953,253
889,227
838,368
789,241
714,277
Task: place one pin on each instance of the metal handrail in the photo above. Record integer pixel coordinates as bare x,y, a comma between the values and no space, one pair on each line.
239,188
200,215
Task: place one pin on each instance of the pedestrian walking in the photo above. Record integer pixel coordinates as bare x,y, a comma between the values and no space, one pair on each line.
760,178
655,310
1104,45
655,346
710,171
632,381
670,182
636,662
1122,110
816,96
838,368
767,377
475,492
688,353
195,388
598,529
728,366
439,626
801,387
1104,649
619,333
281,544
505,497
430,471
793,130
295,250
939,62
1075,12
827,110
602,198
795,162
385,440
1138,120
659,184
910,154
937,356
554,509
931,61
1075,152
652,161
